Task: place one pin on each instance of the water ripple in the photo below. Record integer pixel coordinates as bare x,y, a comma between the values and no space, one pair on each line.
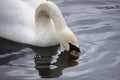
95,23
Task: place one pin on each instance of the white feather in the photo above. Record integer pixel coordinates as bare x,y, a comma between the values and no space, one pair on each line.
49,28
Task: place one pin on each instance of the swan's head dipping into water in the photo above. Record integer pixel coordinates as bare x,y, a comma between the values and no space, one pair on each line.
48,17
70,42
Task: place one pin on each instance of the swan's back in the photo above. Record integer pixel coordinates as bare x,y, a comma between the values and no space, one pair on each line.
17,19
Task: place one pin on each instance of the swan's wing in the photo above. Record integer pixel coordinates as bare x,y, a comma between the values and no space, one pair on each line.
17,12
15,18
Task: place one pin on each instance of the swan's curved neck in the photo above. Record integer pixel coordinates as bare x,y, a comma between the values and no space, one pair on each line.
53,12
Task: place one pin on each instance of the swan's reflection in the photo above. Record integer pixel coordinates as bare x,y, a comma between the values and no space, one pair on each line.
49,64
48,61
7,50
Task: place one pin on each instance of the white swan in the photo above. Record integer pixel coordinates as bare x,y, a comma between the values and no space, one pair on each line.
50,27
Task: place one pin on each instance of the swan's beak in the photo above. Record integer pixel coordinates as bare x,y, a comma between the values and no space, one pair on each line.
75,54
74,51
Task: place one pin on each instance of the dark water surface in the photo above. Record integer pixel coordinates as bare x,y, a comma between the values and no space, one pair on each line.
97,25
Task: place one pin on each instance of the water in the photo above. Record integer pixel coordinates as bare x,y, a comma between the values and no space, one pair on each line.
96,23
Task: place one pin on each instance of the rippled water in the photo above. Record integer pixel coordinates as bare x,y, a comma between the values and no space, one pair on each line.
97,25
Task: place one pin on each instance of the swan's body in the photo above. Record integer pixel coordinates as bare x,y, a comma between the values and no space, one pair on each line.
49,27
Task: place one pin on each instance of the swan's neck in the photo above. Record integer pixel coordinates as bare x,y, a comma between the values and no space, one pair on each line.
50,10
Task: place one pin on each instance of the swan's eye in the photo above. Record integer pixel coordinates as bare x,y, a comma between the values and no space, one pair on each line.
74,51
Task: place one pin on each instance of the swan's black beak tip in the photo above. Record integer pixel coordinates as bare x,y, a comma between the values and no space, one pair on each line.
74,51
74,54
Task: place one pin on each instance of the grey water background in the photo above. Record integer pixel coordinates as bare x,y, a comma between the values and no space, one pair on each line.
96,23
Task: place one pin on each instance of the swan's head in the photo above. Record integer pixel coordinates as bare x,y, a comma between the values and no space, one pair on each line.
70,43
